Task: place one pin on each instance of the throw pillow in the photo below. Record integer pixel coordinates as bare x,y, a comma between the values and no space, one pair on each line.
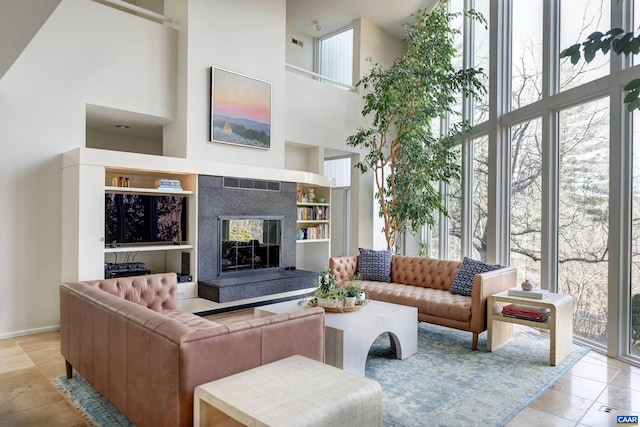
463,282
374,265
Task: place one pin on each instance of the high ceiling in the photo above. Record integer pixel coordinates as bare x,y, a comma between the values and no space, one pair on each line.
332,15
390,15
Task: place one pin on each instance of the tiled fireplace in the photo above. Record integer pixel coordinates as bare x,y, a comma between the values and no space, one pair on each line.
246,239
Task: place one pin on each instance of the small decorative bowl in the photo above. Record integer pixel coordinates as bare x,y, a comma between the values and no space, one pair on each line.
320,199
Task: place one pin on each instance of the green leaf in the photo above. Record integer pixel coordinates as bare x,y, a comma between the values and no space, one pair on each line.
632,85
589,52
575,58
634,105
631,96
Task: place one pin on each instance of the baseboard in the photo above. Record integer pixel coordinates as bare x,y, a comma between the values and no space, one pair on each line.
29,332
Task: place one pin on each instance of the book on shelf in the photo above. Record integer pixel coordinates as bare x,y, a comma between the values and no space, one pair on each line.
537,314
171,188
524,317
533,294
168,184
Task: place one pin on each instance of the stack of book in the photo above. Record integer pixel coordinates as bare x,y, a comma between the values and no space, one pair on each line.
534,293
525,312
168,184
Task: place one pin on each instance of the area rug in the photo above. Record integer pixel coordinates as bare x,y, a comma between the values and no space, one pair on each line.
95,409
444,384
448,384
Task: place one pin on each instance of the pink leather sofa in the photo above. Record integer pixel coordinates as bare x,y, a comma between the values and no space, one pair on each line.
127,339
424,283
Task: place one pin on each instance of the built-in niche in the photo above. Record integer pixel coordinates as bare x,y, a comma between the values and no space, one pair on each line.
120,130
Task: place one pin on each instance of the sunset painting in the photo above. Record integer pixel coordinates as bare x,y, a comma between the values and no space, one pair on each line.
240,109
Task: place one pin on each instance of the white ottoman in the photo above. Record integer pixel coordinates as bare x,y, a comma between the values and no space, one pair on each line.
295,391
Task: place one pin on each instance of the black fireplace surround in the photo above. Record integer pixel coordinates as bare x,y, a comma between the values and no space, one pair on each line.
258,256
249,244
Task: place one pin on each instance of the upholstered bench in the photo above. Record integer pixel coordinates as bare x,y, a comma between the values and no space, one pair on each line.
295,391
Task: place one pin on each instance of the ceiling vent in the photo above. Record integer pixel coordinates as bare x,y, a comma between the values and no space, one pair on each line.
251,184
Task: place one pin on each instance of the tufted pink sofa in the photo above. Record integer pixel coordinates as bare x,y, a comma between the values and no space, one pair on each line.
126,337
424,283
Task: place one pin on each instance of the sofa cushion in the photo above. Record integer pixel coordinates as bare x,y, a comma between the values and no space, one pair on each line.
463,282
432,302
374,265
191,320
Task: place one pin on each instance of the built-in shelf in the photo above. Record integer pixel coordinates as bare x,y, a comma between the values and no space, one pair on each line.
312,240
147,248
312,221
311,204
138,190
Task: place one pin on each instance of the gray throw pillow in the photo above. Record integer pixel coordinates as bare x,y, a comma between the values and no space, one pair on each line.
463,282
374,265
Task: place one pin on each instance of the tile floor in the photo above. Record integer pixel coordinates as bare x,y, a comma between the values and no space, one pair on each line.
592,393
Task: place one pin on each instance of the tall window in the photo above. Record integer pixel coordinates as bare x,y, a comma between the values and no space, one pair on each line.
481,60
634,339
335,56
584,215
455,221
340,169
554,157
526,199
526,53
578,19
636,25
480,197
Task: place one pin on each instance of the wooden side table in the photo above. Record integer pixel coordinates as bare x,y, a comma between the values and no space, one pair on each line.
295,392
559,323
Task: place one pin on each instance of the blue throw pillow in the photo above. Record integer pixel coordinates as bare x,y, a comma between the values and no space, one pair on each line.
463,282
374,265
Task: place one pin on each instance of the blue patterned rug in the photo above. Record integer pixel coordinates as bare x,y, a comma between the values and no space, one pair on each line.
448,384
444,384
95,409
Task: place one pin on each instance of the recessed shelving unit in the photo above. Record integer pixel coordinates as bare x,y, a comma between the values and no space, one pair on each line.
313,227
146,248
140,190
88,177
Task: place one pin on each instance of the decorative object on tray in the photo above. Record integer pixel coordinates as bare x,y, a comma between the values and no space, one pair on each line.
526,285
335,298
528,293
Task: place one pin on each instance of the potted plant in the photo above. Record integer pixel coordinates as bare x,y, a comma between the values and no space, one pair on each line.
352,292
405,154
328,294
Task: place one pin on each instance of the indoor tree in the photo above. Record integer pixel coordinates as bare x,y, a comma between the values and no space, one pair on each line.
615,40
405,100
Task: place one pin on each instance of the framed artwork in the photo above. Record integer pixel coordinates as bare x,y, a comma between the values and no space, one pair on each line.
240,109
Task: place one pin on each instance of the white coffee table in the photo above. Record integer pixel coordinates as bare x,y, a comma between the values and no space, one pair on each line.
349,336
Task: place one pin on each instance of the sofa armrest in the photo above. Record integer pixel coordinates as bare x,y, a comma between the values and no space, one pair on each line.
486,284
345,267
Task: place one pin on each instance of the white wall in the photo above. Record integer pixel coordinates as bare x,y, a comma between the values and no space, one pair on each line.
246,37
118,142
84,53
87,53
300,56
